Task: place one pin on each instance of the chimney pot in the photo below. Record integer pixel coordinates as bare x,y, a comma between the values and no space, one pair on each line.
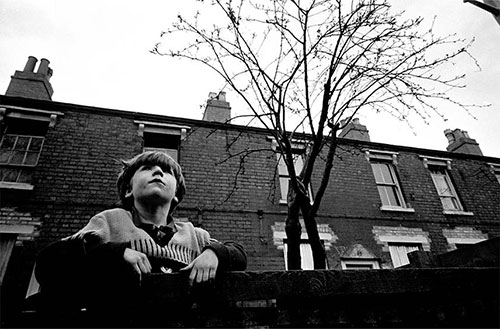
449,134
43,68
30,64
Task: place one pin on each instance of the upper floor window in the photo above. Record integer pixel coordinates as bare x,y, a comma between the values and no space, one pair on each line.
383,166
298,152
284,176
439,169
21,143
445,188
163,143
162,137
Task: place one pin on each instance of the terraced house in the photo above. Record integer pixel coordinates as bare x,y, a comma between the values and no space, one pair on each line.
59,163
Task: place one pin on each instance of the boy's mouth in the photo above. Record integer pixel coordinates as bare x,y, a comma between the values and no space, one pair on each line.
157,180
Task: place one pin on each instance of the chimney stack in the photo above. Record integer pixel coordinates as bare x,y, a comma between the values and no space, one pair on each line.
217,109
29,84
354,130
460,142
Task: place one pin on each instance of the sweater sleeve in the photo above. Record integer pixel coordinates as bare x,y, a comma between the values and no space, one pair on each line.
231,255
65,262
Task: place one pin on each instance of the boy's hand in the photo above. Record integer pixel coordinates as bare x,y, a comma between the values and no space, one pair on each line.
139,261
203,267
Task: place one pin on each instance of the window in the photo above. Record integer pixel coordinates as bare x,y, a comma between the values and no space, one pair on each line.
359,264
306,256
358,257
298,162
461,236
326,236
22,139
398,241
387,184
399,253
445,188
162,143
20,149
162,137
439,169
383,166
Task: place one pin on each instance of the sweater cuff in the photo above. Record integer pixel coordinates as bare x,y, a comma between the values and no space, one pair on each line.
221,252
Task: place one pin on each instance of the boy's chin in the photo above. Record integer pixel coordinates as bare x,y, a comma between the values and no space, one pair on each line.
156,199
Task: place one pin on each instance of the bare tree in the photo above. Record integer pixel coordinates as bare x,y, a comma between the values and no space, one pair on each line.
305,68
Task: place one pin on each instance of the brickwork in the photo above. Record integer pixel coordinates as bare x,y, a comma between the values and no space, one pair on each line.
38,88
234,193
14,216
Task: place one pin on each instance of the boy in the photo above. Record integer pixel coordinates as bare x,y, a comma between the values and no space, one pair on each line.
119,246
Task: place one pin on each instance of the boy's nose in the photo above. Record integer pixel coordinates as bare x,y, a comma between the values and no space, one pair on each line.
157,171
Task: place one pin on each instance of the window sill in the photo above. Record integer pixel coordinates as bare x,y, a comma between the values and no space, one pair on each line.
285,203
398,209
16,186
458,212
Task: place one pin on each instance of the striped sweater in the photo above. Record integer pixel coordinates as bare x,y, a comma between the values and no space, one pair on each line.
117,226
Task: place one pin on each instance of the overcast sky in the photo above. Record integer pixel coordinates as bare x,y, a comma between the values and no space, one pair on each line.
99,52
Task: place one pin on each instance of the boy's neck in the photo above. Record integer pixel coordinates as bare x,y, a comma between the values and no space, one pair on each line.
156,215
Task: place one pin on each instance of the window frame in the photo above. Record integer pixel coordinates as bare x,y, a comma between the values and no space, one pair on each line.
326,235
162,129
374,264
399,235
306,255
444,164
284,175
24,113
25,151
449,193
391,160
396,254
453,242
298,147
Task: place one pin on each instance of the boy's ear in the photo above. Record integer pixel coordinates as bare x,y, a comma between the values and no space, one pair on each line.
128,193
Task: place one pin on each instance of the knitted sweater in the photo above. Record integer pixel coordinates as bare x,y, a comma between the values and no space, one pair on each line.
97,250
117,226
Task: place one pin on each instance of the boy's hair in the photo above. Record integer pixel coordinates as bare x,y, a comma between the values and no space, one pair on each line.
160,159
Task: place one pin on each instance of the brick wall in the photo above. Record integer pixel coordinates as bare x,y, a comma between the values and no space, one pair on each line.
77,170
428,298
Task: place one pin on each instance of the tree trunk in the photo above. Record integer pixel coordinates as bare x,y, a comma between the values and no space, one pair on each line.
293,230
299,202
318,251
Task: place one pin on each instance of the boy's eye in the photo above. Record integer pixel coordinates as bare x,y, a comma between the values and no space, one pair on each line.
166,169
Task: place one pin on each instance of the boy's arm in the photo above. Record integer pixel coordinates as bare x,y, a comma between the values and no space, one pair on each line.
231,255
64,263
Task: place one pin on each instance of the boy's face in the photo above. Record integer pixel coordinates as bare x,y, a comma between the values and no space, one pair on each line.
151,185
